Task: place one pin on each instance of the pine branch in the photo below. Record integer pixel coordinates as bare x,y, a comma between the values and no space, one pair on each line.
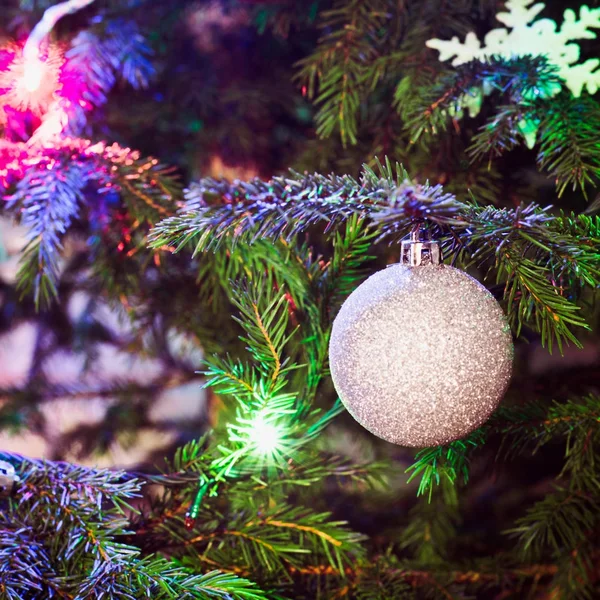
501,133
73,179
48,200
351,250
320,469
432,526
149,190
561,521
517,80
270,424
25,566
568,133
97,59
264,317
524,431
286,206
274,540
567,128
61,537
444,464
525,248
383,579
578,263
232,377
525,86
530,251
532,299
339,67
331,541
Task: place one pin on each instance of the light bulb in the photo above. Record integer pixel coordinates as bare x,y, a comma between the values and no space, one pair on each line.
33,74
264,436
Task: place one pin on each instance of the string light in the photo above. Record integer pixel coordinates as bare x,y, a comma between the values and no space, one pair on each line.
33,46
264,437
192,514
259,437
33,74
31,83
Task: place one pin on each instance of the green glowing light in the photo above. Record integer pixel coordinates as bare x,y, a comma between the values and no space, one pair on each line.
262,439
266,438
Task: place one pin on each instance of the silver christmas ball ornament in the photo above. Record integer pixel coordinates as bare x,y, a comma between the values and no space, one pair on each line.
421,353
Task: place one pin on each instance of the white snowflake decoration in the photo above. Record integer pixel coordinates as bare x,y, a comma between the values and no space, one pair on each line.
530,37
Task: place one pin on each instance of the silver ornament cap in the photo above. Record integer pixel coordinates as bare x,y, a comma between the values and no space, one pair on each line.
421,353
8,479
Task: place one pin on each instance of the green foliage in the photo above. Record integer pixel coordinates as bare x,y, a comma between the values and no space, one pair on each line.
341,66
432,525
566,126
56,192
271,424
48,200
376,84
265,322
287,206
524,248
88,559
538,301
525,429
351,254
384,580
530,251
569,128
285,254
559,521
149,190
516,80
443,464
563,525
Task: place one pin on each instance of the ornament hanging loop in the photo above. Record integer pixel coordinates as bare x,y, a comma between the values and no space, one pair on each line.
419,249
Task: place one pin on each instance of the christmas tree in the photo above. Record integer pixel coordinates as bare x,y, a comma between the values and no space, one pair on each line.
206,187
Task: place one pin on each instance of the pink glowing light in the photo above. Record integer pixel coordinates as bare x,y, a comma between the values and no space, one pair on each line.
31,83
13,159
52,126
17,158
39,93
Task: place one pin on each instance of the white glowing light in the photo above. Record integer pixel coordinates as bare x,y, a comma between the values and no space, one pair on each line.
264,436
33,74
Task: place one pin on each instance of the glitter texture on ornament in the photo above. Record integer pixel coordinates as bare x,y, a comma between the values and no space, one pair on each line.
421,356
